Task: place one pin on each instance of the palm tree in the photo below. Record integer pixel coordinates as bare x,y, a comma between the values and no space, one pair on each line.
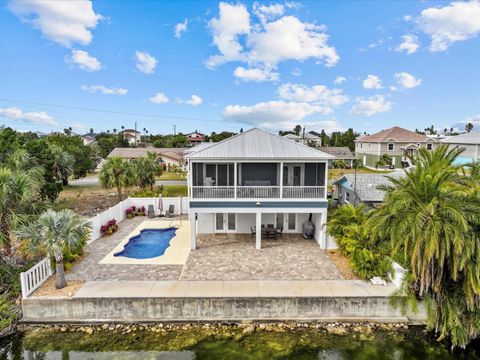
117,173
55,232
64,163
147,168
20,185
432,218
469,127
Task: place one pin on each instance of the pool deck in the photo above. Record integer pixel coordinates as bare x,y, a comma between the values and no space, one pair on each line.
175,254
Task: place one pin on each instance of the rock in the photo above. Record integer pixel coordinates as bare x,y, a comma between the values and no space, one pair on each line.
337,330
63,329
89,330
248,329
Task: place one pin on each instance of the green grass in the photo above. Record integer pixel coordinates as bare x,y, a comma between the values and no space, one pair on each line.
172,176
176,190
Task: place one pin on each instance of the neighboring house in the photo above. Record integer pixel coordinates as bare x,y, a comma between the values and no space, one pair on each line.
397,142
132,136
311,138
168,156
195,138
339,153
362,188
257,178
470,142
89,138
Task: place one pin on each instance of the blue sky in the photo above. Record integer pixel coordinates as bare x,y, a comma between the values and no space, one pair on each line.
216,66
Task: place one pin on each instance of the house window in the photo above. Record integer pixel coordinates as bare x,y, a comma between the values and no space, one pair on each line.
219,221
361,145
391,146
292,221
429,146
225,222
347,196
231,222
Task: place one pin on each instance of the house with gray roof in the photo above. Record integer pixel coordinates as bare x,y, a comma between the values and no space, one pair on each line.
342,153
362,188
167,156
257,183
469,142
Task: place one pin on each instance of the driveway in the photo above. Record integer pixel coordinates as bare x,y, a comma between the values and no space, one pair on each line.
94,181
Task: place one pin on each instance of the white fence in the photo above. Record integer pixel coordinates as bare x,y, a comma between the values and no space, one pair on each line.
35,276
118,212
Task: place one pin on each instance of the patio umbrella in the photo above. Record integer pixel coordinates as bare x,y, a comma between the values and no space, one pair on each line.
160,204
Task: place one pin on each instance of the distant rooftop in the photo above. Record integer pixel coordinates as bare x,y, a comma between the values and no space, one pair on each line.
339,152
134,153
395,133
366,186
472,137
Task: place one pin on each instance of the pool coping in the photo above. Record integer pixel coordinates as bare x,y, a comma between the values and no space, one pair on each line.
176,254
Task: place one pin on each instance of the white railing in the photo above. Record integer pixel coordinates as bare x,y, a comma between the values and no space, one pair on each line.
258,192
35,276
303,192
213,192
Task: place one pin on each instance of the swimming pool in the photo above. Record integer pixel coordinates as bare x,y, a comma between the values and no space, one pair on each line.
149,244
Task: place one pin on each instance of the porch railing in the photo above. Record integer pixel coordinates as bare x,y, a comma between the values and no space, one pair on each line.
31,279
258,192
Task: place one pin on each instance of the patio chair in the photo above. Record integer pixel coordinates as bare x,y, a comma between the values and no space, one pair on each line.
279,231
253,229
150,212
170,211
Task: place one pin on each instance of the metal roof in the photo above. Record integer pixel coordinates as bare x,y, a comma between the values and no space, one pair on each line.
258,144
395,133
367,184
134,153
472,137
339,152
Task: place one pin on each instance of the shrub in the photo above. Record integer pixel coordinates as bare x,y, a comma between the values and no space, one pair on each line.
135,211
109,228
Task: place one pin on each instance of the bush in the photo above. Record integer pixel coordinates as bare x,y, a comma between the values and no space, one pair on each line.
109,228
368,255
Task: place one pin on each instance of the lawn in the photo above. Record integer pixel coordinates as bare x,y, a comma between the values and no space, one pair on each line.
172,176
176,190
334,174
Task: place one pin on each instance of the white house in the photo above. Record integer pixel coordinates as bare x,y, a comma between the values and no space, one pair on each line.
469,142
257,178
132,135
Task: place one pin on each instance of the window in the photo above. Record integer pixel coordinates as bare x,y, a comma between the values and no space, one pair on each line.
292,222
391,146
231,222
429,146
347,196
225,222
279,221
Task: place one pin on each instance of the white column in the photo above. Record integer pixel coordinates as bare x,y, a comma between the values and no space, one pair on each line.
235,178
193,230
258,232
281,180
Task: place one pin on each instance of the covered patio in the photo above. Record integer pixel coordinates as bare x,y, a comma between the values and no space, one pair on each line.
234,257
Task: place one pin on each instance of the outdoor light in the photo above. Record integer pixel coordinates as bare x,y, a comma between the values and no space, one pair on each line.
259,203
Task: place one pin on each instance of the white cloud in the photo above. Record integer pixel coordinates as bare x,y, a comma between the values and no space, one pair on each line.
194,100
457,21
79,126
104,89
37,118
407,81
84,60
233,21
159,98
266,13
275,38
317,94
371,105
409,44
255,74
407,18
181,28
393,88
146,63
65,22
272,114
339,80
372,82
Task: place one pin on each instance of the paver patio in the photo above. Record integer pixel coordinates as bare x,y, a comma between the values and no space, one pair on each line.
218,257
234,257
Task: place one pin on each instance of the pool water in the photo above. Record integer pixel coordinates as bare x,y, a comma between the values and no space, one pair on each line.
149,244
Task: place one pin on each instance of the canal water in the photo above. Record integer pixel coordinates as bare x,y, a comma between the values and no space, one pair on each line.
199,344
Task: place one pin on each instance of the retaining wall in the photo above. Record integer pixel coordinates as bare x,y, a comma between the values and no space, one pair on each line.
91,310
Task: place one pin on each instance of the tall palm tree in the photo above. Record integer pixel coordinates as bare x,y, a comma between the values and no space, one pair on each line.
63,163
54,232
432,217
147,168
117,173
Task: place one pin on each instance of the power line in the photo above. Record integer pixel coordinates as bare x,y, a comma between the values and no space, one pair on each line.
111,111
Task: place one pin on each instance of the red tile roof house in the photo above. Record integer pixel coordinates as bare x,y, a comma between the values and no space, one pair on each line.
397,142
195,138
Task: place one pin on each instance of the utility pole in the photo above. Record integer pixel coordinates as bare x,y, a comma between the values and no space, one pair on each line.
135,133
174,129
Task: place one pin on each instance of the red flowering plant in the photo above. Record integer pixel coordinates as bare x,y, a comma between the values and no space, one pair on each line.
109,228
131,212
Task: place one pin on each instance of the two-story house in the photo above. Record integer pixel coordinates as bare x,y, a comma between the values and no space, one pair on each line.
257,180
397,142
195,138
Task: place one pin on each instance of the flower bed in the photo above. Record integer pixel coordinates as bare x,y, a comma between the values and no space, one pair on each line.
133,211
109,228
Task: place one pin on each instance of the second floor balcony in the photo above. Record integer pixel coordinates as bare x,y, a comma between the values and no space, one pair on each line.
239,180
